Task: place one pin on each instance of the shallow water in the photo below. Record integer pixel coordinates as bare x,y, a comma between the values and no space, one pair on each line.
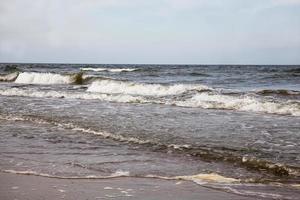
172,122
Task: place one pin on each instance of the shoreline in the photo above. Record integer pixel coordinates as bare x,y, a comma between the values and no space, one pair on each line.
16,186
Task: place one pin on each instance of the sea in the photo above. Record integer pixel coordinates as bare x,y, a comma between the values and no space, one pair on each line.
234,128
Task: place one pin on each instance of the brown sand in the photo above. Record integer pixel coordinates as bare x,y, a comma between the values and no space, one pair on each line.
25,187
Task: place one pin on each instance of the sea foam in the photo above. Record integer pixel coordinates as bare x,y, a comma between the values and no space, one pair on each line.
9,77
143,94
44,78
124,87
241,103
108,69
68,95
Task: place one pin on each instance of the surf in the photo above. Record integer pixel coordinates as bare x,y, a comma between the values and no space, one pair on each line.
70,95
240,103
48,78
196,151
108,69
9,77
133,88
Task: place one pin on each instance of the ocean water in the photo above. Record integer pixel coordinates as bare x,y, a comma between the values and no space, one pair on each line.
231,128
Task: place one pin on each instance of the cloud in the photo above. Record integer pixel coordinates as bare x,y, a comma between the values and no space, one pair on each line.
144,31
286,2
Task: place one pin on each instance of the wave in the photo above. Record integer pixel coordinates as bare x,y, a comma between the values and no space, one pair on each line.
205,153
209,180
48,78
282,92
198,74
198,178
200,100
293,70
9,77
9,68
79,95
117,174
240,103
124,87
109,69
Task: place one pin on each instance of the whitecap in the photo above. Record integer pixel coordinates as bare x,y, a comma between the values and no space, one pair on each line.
241,103
43,78
133,88
108,69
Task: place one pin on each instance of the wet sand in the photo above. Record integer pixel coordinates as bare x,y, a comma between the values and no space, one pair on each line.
23,187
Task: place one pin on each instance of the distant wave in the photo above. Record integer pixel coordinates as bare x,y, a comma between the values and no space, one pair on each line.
9,68
108,69
293,70
47,78
9,77
286,69
282,92
124,87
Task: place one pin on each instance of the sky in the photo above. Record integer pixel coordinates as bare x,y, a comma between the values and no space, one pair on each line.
150,31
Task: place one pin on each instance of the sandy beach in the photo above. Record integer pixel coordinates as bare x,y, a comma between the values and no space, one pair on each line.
25,187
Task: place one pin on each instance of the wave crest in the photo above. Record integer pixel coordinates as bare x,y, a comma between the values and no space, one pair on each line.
108,69
9,77
47,78
242,103
123,87
68,95
282,92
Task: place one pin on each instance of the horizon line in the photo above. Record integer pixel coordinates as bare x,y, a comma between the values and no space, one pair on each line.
75,63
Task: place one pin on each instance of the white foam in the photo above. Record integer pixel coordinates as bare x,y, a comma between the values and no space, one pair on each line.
296,186
9,77
200,179
203,100
211,180
108,69
208,178
124,87
252,193
79,95
43,78
118,173
241,103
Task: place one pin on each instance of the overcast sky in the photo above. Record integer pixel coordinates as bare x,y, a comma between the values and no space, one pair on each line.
150,31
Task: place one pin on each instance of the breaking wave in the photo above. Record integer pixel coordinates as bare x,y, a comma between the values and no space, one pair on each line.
123,87
204,100
47,78
156,95
9,77
108,69
241,103
9,68
282,92
68,95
